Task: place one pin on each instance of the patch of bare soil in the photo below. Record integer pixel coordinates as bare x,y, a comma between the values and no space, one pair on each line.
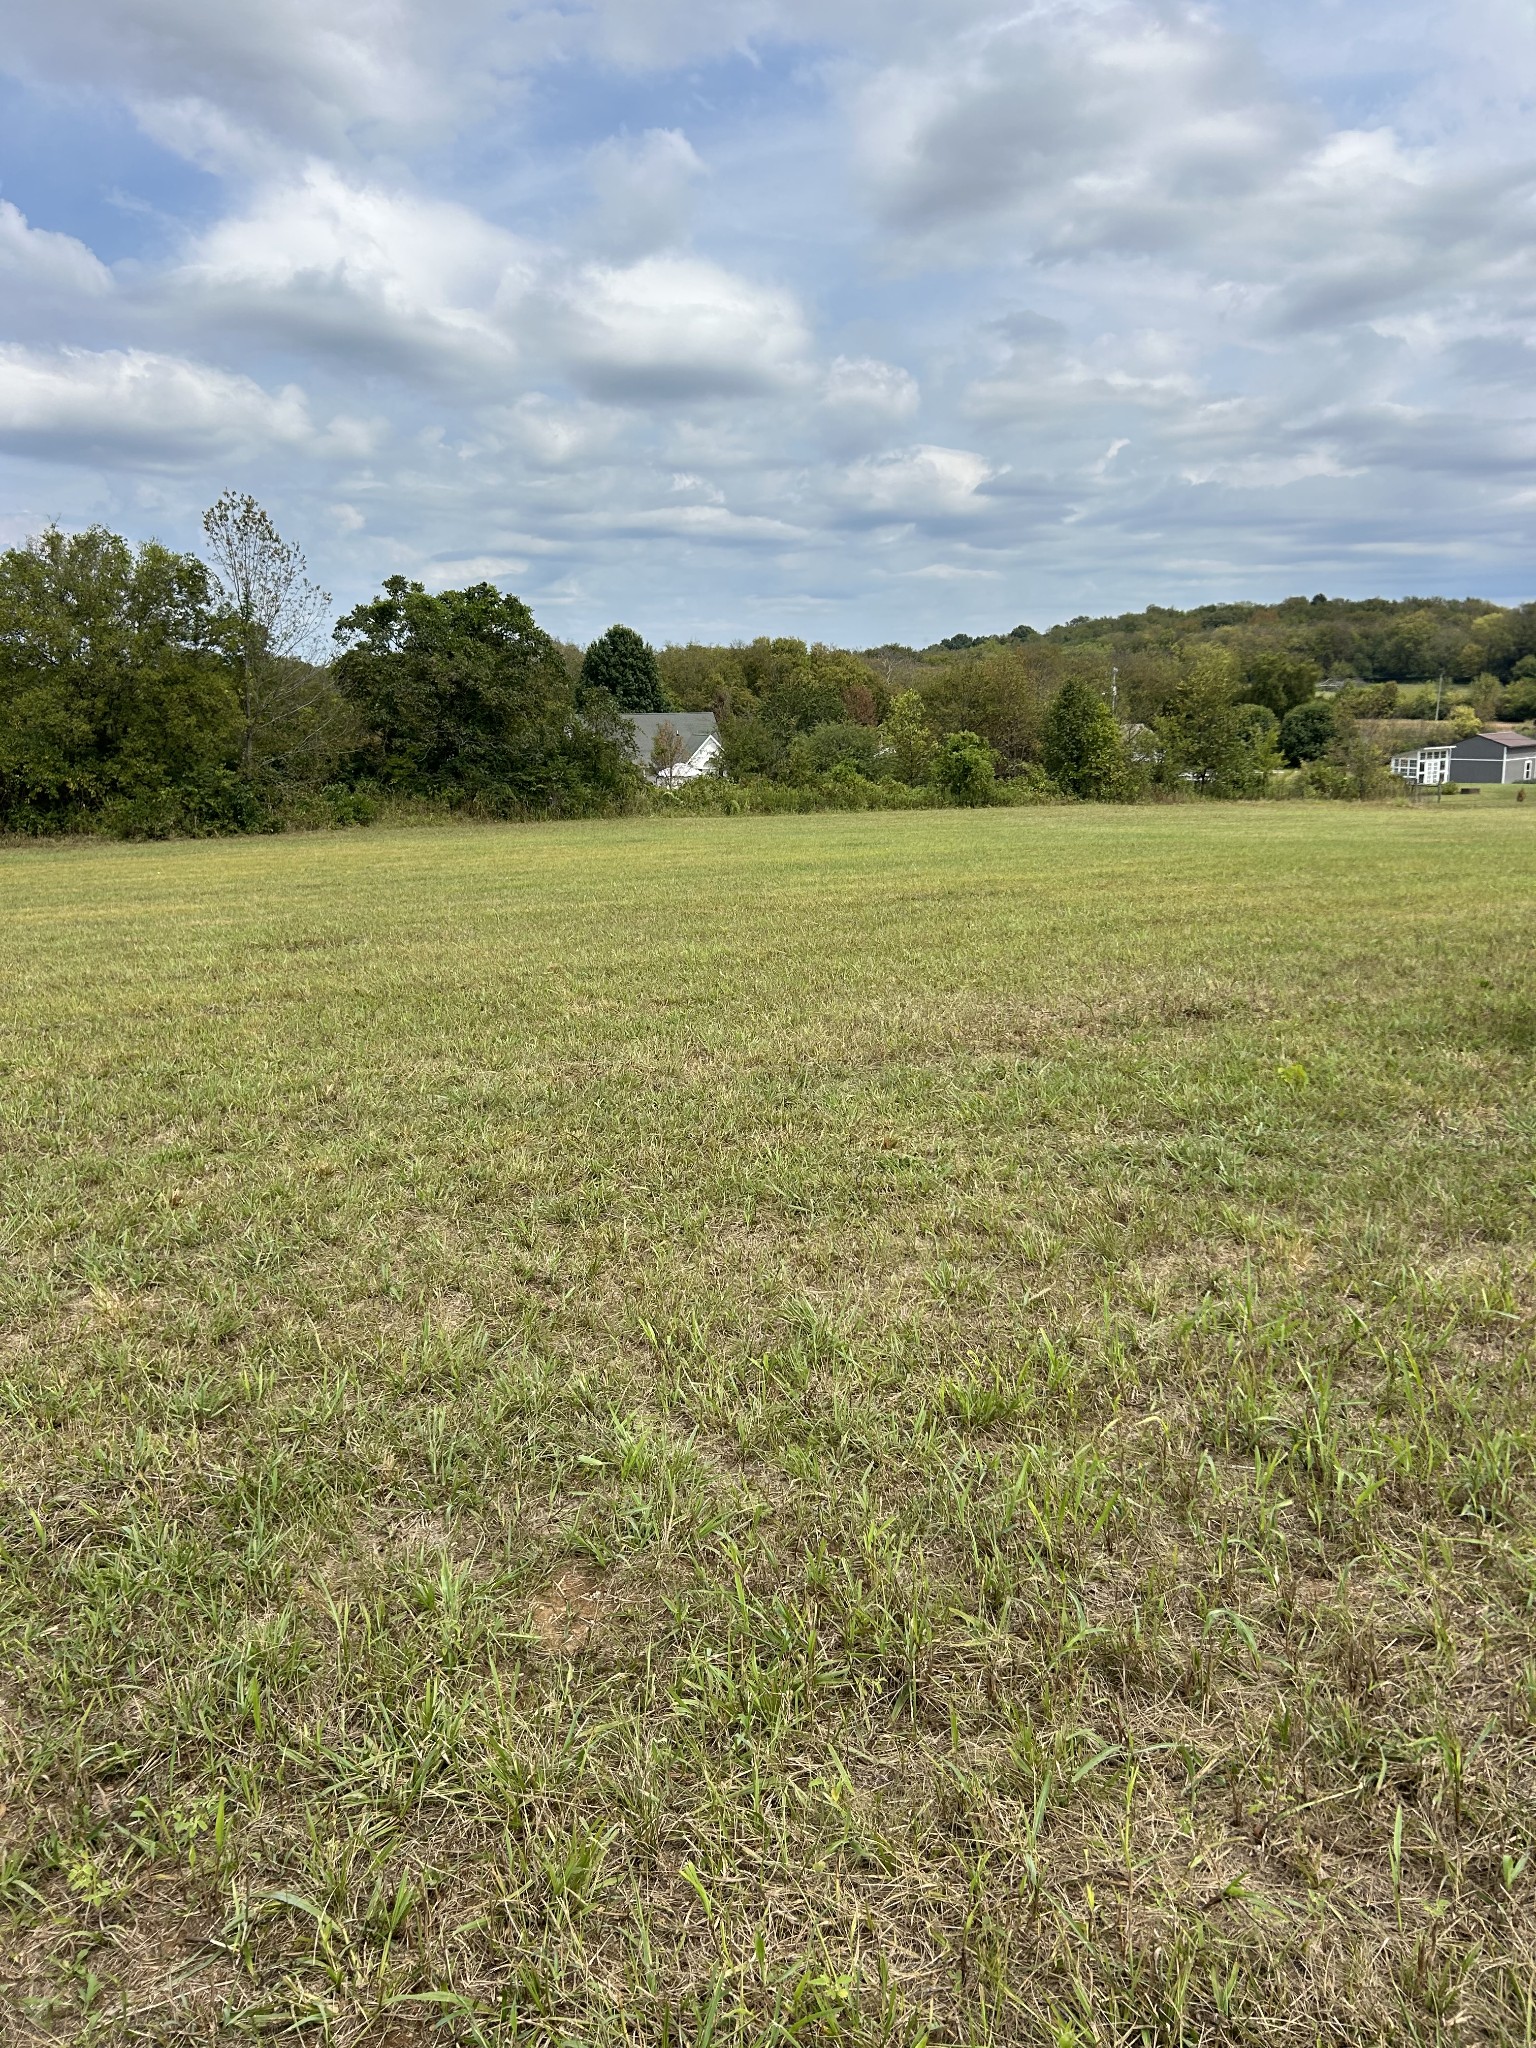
569,1608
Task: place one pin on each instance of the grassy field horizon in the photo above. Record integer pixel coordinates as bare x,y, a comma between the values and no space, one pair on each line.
900,1427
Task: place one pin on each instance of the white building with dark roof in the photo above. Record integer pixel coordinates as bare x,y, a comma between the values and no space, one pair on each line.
673,747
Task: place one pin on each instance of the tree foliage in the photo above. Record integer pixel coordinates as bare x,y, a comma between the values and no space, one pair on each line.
907,738
621,663
1080,743
142,691
1223,746
115,693
964,769
461,695
1307,730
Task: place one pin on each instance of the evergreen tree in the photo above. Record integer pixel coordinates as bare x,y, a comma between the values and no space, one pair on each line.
621,663
1080,743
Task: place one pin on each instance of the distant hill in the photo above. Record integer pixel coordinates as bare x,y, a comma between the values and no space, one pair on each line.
1377,639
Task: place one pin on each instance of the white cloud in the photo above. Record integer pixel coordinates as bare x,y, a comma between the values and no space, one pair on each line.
671,327
130,406
380,275
32,260
919,483
553,435
455,573
864,387
1092,126
311,72
1038,301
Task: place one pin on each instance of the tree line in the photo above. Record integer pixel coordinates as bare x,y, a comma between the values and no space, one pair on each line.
145,691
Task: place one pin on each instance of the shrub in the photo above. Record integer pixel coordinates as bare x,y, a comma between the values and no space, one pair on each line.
1307,731
964,769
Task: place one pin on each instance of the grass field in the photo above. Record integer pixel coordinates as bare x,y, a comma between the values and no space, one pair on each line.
842,1429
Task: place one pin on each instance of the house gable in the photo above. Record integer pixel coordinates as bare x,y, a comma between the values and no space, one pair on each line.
696,731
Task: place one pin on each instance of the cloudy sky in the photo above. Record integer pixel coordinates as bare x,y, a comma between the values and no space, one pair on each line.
863,319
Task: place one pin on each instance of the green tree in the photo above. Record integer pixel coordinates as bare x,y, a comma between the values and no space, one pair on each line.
1274,677
1203,738
906,739
840,743
803,687
115,696
1002,692
964,769
1352,767
621,663
1080,743
1518,700
462,695
1307,730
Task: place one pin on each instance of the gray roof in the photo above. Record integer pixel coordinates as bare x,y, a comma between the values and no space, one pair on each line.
1506,739
692,727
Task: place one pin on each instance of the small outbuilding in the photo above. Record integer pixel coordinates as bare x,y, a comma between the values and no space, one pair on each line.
1482,757
673,747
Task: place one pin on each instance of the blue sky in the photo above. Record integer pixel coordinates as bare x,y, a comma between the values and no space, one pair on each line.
865,320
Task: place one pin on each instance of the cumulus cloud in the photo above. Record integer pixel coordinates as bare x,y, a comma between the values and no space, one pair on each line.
923,483
1094,126
36,262
864,303
1131,132
673,327
863,387
133,407
378,275
311,72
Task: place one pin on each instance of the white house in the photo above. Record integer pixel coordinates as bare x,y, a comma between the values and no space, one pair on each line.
1483,757
673,747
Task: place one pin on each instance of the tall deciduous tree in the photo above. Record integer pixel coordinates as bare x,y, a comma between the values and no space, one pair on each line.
113,689
1279,680
1208,739
621,663
276,619
462,695
1080,742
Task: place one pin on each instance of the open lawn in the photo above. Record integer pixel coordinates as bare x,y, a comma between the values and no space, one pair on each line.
863,1429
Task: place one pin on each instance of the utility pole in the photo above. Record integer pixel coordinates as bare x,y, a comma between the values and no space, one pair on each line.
1114,692
1439,687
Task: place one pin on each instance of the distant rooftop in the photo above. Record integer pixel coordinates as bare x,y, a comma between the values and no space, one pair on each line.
693,728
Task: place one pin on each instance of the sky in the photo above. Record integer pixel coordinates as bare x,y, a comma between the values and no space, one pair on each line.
863,320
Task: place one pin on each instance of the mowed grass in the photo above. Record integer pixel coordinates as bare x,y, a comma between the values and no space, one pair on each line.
908,1428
